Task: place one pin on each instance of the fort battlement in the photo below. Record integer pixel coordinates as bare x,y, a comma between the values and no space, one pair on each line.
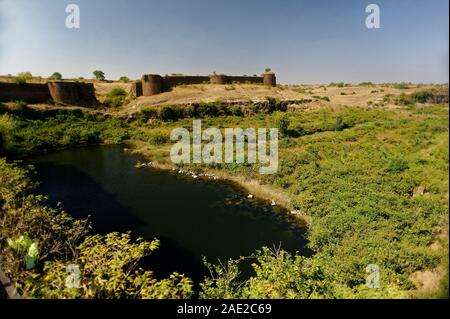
59,92
152,84
83,93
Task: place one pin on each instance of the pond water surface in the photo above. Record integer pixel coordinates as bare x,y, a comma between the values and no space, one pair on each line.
191,217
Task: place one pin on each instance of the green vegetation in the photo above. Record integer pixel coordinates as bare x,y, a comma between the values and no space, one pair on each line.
278,275
124,79
63,129
401,85
56,76
413,98
282,123
300,90
353,171
116,97
323,98
21,107
99,75
23,77
338,84
366,84
170,113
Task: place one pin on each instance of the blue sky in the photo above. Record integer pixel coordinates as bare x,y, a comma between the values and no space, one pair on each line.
302,41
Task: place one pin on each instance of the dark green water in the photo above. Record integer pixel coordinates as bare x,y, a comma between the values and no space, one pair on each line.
191,217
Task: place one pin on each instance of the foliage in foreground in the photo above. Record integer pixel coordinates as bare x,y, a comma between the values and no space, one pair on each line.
109,265
278,275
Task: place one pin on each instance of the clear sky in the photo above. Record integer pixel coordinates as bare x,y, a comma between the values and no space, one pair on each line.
314,41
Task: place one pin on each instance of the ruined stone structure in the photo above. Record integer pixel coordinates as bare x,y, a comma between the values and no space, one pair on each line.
136,88
77,93
28,92
59,92
152,84
72,92
270,79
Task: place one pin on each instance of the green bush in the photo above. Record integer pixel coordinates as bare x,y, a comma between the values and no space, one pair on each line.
340,124
278,275
413,98
282,123
65,128
235,110
323,98
116,97
338,84
203,109
23,77
170,113
144,115
273,104
21,106
56,76
401,85
159,139
20,80
397,164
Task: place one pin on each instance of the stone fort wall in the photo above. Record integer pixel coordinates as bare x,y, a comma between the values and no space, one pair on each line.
152,84
29,92
59,92
77,93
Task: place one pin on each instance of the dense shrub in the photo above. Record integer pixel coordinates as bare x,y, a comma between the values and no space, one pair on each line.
23,77
278,275
144,115
66,128
323,98
401,85
170,113
56,76
413,98
21,108
397,164
158,139
282,123
202,110
124,79
235,110
116,97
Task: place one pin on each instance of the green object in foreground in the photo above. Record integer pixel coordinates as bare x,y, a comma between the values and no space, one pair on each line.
26,244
